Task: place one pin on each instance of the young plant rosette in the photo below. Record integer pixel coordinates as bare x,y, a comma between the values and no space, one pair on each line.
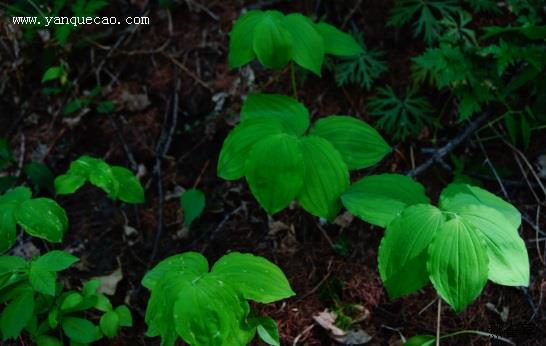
471,237
282,160
276,39
211,307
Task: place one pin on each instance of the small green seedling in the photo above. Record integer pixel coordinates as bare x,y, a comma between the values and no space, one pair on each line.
193,204
40,217
211,308
36,302
269,147
118,182
471,237
276,39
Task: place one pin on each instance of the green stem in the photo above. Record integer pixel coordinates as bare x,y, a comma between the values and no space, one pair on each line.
293,80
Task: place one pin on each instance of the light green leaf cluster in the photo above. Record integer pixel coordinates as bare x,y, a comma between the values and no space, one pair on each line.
470,238
118,182
269,147
35,301
40,217
275,39
211,308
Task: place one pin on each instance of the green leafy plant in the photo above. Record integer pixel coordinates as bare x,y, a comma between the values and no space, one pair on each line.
276,39
269,147
193,203
362,69
471,237
428,13
36,301
211,308
40,217
118,182
400,116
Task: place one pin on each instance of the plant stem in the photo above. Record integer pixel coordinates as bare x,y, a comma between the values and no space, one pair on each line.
479,332
293,80
438,320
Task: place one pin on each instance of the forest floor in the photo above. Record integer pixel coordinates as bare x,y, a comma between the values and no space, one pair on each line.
174,72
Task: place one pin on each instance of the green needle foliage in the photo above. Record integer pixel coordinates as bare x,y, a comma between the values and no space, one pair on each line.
362,69
40,217
425,15
37,303
276,39
471,237
280,163
403,116
118,182
211,307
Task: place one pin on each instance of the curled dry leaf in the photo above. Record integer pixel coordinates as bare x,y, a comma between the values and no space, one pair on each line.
354,336
109,283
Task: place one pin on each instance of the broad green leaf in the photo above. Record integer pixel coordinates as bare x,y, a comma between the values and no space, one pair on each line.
508,258
42,281
90,287
337,42
103,177
359,144
130,189
40,175
9,204
80,330
208,312
42,218
17,314
239,142
52,73
378,199
11,264
454,196
326,178
55,261
292,114
267,330
402,256
109,324
46,340
191,263
307,44
102,303
272,42
124,315
421,340
70,301
275,171
241,50
69,183
193,204
458,263
254,277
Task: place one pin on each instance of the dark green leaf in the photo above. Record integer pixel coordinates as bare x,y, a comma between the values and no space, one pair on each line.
80,330
193,204
241,50
307,43
124,315
16,315
42,281
272,42
420,340
55,261
130,189
109,324
42,218
337,42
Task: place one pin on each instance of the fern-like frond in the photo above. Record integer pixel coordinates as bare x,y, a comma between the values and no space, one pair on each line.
362,69
400,116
